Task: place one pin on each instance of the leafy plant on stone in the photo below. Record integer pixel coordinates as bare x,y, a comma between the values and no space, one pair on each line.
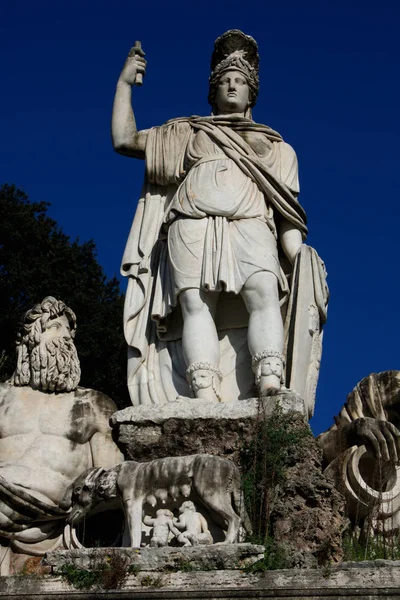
81,579
375,547
154,582
108,573
277,444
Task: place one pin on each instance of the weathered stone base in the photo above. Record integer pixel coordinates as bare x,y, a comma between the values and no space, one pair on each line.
378,579
191,426
195,558
305,515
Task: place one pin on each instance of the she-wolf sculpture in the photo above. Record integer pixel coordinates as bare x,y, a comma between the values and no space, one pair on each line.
215,481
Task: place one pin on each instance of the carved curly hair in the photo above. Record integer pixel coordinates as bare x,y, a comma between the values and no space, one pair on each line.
30,330
235,62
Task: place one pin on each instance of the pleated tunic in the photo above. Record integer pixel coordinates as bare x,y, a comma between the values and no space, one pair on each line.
221,230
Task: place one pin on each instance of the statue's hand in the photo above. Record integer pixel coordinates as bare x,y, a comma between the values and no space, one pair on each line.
134,64
379,437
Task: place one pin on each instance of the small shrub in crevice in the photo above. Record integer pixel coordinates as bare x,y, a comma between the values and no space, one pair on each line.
108,574
154,582
277,444
375,547
274,558
81,579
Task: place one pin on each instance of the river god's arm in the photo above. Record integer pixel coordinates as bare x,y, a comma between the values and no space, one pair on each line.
105,452
126,139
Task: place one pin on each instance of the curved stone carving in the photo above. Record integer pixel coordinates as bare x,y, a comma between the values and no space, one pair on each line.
362,452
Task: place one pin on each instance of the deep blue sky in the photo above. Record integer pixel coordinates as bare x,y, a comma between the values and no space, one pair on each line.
329,83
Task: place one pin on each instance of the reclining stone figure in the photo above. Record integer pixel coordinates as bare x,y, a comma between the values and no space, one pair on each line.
214,480
50,431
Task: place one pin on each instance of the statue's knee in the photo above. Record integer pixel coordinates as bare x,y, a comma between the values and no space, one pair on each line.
261,291
192,303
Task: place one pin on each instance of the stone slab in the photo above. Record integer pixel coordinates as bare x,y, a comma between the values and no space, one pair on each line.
193,408
191,426
350,582
196,558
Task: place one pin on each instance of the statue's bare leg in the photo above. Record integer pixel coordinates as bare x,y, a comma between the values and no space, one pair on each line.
265,330
200,342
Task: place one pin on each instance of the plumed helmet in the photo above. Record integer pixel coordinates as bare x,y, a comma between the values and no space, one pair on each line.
235,50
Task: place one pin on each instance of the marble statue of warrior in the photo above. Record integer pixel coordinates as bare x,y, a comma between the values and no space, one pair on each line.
215,236
50,430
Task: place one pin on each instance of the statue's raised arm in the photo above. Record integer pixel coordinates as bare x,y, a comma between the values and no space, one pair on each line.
126,138
214,254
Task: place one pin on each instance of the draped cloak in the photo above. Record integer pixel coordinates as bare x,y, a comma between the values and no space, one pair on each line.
151,308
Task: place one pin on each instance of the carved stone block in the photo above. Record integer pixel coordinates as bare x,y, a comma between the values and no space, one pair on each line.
192,427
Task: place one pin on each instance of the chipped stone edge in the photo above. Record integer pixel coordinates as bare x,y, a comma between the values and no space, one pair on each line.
191,409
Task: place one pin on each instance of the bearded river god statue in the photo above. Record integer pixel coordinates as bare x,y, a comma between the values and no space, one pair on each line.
50,431
223,296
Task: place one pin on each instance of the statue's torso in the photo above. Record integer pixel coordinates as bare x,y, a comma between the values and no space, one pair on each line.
44,439
215,185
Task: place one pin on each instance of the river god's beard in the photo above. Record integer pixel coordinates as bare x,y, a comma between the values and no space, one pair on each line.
55,366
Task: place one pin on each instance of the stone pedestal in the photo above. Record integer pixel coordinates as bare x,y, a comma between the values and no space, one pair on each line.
305,515
192,426
195,558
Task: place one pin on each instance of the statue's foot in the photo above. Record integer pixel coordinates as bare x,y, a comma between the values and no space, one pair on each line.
205,381
269,385
268,369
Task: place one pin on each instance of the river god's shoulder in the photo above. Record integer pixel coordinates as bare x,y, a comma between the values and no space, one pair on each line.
4,390
100,402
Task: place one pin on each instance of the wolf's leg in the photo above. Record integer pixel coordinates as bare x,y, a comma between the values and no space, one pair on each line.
133,511
220,503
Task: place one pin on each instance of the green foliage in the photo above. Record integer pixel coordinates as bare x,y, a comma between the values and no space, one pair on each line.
186,566
36,260
274,558
107,574
81,579
375,547
154,582
133,569
277,444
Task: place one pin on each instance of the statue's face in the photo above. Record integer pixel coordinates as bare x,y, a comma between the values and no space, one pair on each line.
201,380
56,328
187,506
272,366
164,512
233,94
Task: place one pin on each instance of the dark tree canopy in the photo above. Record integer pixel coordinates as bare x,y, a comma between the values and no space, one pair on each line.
36,260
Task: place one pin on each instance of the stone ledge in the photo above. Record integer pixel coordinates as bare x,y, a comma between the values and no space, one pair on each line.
192,408
191,427
196,558
337,583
